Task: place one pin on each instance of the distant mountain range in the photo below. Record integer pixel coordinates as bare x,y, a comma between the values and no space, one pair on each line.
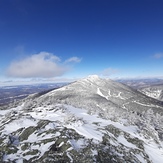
90,120
141,83
11,93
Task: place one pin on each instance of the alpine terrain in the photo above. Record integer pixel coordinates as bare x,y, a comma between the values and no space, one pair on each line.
150,87
155,91
90,120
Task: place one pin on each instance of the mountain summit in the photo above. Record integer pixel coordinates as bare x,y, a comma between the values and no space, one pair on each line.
90,120
94,92
93,76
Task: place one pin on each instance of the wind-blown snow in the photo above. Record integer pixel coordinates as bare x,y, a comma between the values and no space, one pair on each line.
91,131
17,124
155,153
3,112
125,142
84,124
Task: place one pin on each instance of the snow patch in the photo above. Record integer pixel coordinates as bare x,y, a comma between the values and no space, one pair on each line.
17,124
122,140
154,152
100,93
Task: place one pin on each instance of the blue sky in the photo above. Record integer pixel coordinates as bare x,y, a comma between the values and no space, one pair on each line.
67,39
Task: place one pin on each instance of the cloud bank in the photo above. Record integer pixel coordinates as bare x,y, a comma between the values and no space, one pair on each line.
41,65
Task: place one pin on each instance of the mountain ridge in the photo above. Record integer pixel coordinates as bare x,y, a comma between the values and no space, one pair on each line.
105,90
90,120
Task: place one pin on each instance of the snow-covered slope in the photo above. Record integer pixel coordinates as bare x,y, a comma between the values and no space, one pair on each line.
91,120
106,95
155,91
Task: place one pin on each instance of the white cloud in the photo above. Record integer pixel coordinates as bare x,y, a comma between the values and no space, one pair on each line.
158,55
41,65
73,59
108,72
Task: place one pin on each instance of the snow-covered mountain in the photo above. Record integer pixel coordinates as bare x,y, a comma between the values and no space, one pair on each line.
94,93
155,91
90,120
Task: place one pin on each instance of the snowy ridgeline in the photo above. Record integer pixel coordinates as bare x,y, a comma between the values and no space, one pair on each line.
61,132
91,120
